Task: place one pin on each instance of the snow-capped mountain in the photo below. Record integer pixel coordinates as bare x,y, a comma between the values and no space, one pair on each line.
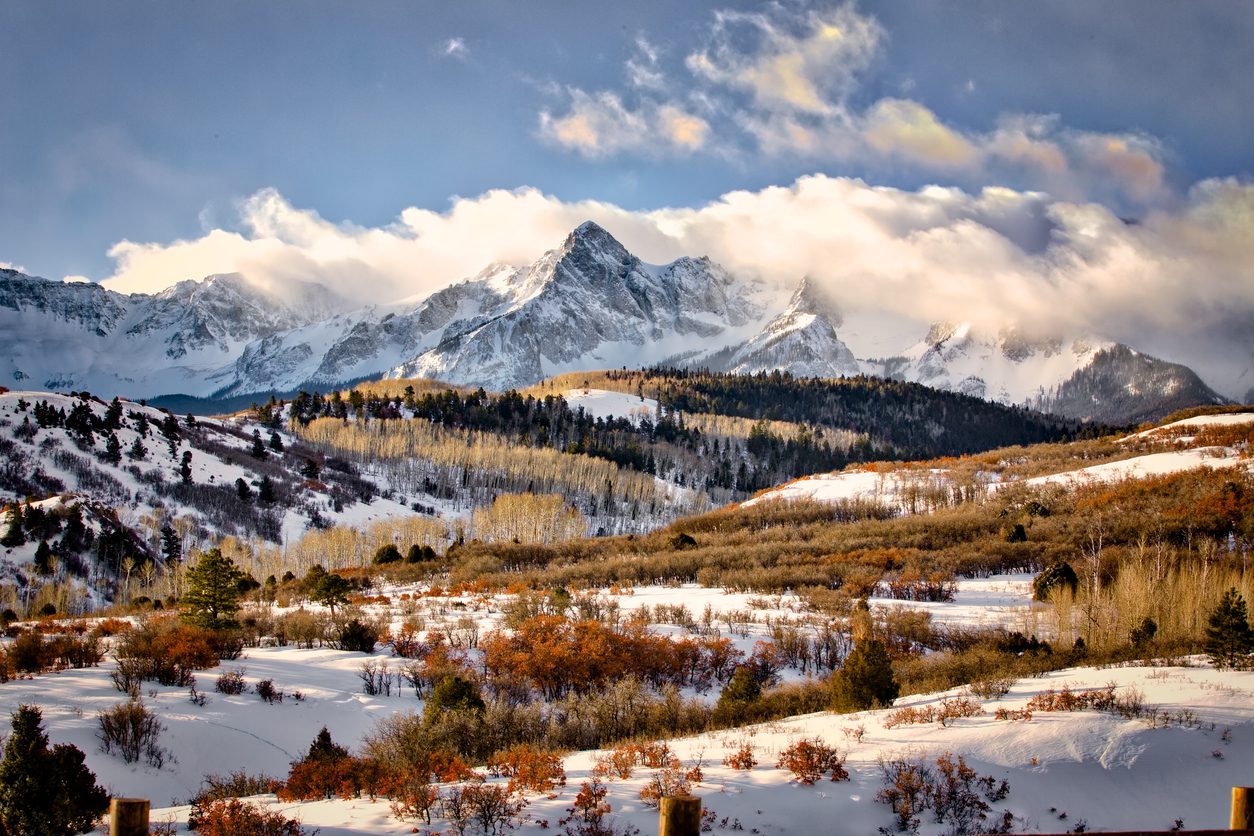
588,304
187,338
801,340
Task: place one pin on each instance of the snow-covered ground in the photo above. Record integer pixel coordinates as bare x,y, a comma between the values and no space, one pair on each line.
1097,768
895,487
602,403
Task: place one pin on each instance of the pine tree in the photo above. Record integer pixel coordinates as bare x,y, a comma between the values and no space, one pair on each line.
310,470
325,749
113,415
171,545
743,689
185,469
331,590
15,536
212,596
866,679
276,442
259,449
1229,639
265,491
113,449
43,558
138,451
242,490
42,792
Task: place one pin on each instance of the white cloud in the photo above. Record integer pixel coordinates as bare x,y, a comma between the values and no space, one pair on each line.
1180,283
4,265
807,63
600,125
455,48
781,81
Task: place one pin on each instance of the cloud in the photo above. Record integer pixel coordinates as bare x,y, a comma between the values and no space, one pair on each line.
455,48
600,125
790,62
1180,283
782,82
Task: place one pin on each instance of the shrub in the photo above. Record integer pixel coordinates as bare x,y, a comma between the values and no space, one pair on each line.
133,731
232,817
668,781
266,690
387,554
528,768
237,784
232,682
376,678
30,654
359,636
741,759
809,758
167,652
412,795
952,790
492,807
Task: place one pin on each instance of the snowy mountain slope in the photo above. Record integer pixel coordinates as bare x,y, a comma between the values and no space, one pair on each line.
589,304
801,340
902,488
1119,385
71,336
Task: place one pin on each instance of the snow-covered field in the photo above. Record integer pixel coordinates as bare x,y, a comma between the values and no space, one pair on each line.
893,488
602,403
1097,768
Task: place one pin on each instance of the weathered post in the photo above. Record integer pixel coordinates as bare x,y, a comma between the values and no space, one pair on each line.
1242,808
680,816
128,817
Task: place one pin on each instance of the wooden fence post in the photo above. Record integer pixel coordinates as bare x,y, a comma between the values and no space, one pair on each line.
128,817
680,816
1242,808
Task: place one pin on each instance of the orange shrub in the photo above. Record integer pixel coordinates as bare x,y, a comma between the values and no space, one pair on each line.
528,768
809,758
742,758
232,817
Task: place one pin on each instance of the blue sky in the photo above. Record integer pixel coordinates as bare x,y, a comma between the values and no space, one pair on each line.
152,121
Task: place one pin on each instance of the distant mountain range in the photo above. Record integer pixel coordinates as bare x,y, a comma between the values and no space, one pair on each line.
589,304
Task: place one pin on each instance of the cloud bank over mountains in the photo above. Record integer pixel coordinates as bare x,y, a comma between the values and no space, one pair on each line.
1179,282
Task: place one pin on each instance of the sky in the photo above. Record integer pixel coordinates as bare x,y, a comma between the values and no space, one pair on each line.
1088,161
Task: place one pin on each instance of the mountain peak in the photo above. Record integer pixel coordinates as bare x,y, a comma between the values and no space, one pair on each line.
590,235
808,298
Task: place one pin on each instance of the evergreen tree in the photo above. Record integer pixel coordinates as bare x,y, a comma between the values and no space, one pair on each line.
185,469
244,492
743,689
325,749
276,442
138,451
259,449
331,590
310,470
865,680
113,416
14,537
171,545
43,558
212,596
170,429
265,491
387,554
453,693
190,420
45,792
1229,639
113,449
